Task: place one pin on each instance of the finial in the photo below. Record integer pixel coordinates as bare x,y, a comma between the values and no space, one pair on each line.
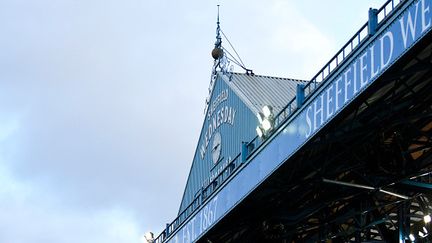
218,14
220,63
217,51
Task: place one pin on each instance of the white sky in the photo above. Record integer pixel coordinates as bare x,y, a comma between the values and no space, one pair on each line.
101,102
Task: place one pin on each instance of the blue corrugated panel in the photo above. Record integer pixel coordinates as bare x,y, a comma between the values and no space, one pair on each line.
231,120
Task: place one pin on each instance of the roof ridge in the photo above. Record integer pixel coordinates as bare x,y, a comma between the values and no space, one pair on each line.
267,76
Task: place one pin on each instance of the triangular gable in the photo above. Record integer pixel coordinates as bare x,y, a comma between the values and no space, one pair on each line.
228,122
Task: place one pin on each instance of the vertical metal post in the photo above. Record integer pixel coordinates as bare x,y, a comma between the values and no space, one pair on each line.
244,151
373,21
251,146
401,226
403,222
300,95
361,221
167,230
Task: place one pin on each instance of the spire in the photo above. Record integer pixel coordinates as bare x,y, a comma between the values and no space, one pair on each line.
220,63
218,42
217,52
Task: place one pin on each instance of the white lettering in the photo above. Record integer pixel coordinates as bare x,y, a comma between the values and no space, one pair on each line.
202,151
338,91
208,214
229,120
410,26
186,234
329,102
389,36
224,115
192,222
206,139
308,121
355,77
347,83
223,96
233,116
373,73
318,111
424,11
214,125
363,67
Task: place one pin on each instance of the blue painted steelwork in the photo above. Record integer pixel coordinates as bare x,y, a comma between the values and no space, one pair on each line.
244,151
233,122
373,21
300,96
423,185
397,33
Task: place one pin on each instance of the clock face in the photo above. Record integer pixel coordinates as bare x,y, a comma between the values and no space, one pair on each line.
216,147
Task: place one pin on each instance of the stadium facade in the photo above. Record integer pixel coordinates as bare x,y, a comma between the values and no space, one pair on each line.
343,157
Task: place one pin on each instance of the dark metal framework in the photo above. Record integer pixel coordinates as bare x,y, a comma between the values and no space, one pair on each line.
382,141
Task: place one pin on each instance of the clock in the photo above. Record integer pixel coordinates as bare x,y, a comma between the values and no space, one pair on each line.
216,147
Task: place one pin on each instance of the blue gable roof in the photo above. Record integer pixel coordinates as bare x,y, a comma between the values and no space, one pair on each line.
227,123
230,120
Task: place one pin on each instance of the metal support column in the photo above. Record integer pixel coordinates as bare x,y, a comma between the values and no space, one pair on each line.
404,222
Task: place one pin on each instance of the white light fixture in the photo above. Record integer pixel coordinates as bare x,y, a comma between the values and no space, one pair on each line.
425,230
427,218
421,234
267,110
259,132
266,121
266,124
149,237
412,238
260,116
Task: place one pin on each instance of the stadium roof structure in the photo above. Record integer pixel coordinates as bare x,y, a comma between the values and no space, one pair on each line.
347,158
257,91
253,93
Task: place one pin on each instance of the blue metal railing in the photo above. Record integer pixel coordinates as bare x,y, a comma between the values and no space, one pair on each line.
201,198
336,60
321,77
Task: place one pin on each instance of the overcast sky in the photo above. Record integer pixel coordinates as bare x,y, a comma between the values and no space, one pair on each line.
101,102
